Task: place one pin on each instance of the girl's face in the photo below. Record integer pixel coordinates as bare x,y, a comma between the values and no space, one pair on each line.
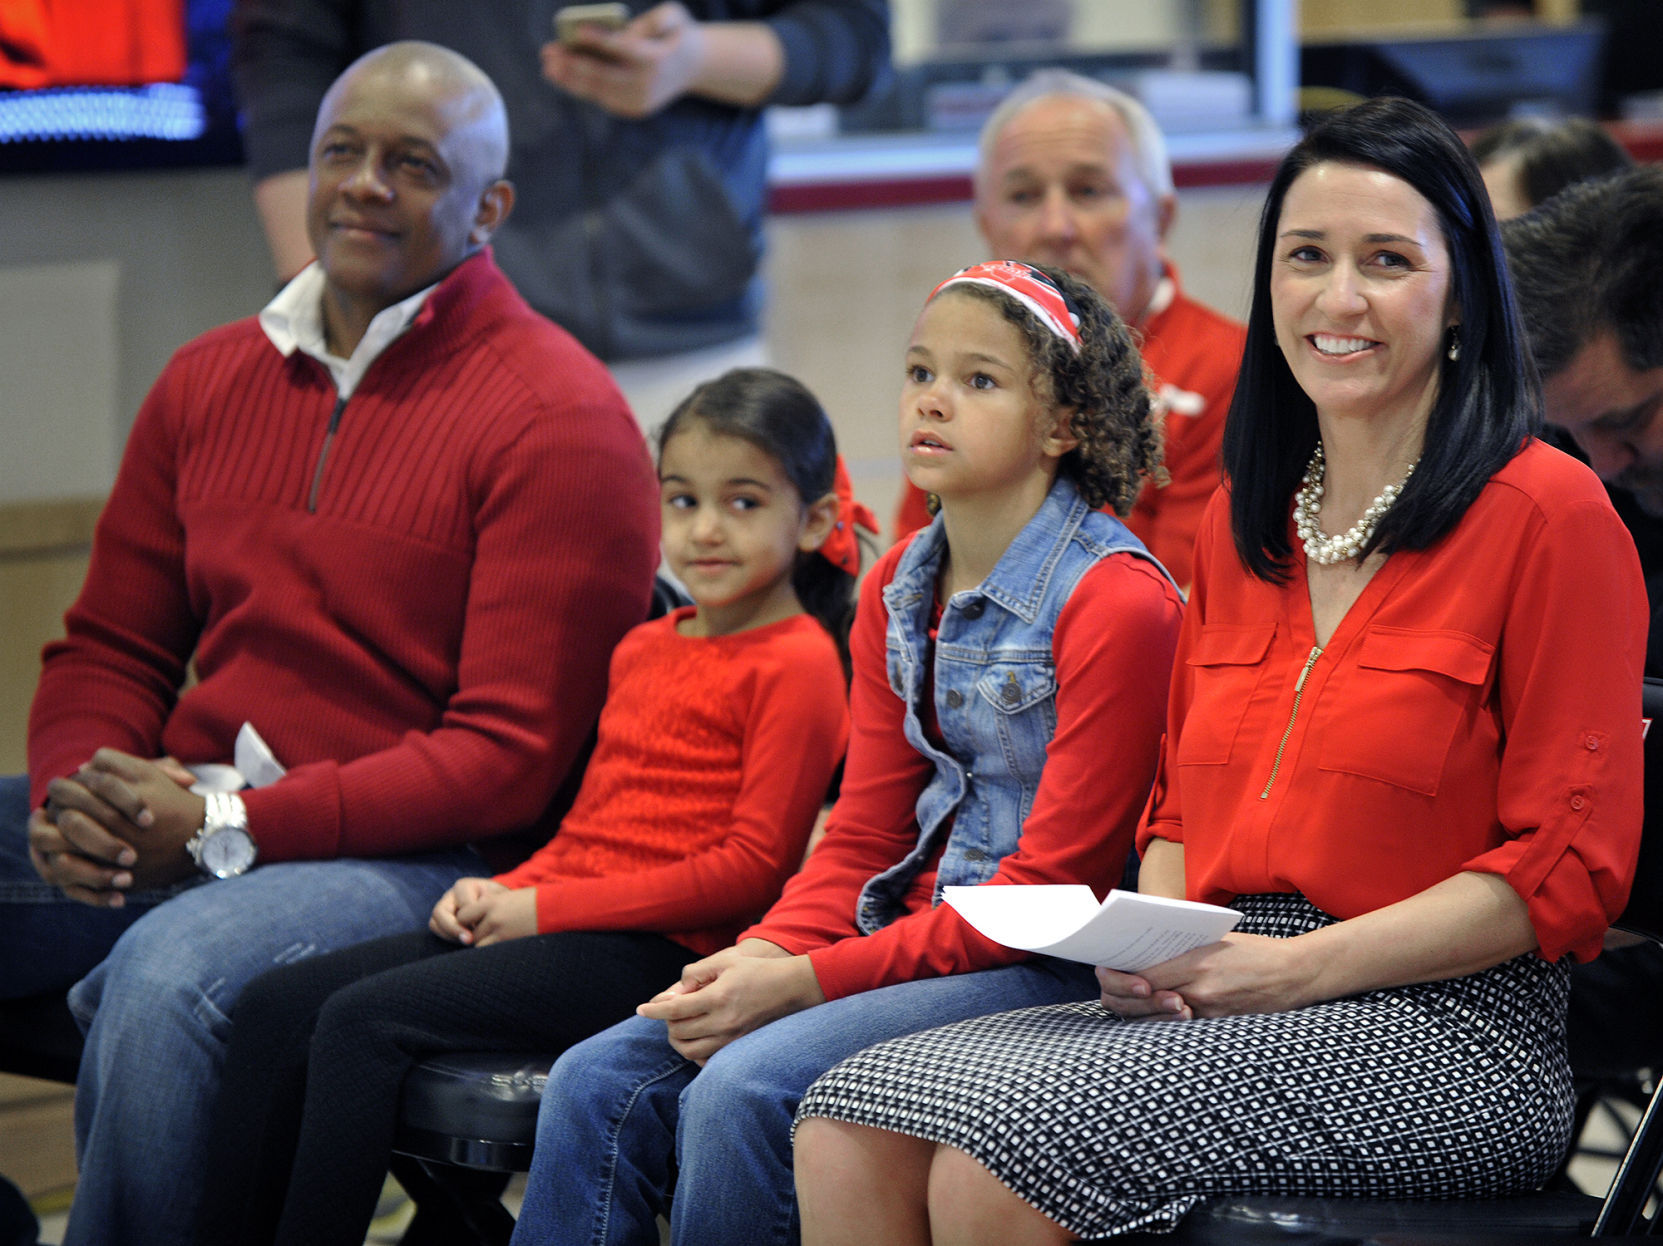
972,419
733,524
1360,292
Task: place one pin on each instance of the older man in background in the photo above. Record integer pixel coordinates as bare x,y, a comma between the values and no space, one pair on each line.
1074,173
397,524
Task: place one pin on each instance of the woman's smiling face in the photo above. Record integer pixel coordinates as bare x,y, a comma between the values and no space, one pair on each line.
1360,292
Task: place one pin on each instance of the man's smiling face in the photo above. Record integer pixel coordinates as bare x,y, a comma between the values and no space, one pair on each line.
396,182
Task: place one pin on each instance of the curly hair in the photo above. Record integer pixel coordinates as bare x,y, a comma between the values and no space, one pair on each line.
1104,382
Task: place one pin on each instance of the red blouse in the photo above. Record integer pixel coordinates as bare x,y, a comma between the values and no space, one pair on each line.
1477,709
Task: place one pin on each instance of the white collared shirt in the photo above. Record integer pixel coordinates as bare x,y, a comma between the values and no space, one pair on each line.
294,321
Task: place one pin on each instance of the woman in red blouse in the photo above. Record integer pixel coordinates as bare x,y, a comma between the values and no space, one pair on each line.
1402,740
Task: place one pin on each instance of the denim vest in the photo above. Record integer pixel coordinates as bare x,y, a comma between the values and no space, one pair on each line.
995,687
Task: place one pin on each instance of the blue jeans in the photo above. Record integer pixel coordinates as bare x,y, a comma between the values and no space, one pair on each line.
623,1114
155,1000
50,942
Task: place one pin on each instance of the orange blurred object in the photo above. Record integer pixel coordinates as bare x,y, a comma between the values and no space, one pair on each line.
91,42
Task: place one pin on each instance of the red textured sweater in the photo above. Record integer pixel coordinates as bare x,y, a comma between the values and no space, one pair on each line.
424,642
1113,648
712,763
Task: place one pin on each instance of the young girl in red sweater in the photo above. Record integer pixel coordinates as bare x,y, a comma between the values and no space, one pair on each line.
723,724
1010,677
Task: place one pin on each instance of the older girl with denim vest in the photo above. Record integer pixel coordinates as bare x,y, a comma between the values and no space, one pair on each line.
1010,671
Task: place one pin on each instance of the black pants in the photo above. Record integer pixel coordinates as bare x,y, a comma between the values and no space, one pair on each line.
18,1226
304,1126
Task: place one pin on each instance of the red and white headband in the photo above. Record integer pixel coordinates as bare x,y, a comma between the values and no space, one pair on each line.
1028,286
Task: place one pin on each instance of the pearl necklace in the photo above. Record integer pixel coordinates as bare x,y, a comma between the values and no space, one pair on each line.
1307,513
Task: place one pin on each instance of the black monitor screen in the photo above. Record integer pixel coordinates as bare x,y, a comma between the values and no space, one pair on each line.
115,84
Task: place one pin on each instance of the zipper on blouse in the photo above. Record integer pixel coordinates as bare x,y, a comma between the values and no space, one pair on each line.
323,456
1293,714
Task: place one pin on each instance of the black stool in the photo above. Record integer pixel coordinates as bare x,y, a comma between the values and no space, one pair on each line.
475,1109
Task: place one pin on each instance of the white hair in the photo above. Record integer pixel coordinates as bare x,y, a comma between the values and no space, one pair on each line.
1148,143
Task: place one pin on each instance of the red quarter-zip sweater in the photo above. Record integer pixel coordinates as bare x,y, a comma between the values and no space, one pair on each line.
424,642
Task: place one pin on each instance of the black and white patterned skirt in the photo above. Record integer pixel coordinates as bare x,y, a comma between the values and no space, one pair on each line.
1457,1088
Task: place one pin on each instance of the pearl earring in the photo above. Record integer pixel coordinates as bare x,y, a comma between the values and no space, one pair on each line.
1453,352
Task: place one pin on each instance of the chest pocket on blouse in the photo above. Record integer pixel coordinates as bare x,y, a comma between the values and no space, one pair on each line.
1024,700
1226,663
1397,711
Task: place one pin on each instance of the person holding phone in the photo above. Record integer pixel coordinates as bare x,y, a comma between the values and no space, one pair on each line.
638,151
632,67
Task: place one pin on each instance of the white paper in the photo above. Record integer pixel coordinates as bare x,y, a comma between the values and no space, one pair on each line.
257,766
214,777
255,758
1127,931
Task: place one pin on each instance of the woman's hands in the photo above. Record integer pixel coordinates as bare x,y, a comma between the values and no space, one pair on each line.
1461,925
1132,998
727,995
480,911
1239,974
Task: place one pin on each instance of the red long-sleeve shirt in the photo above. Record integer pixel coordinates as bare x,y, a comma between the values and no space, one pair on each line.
426,649
1112,647
712,763
1478,708
1193,353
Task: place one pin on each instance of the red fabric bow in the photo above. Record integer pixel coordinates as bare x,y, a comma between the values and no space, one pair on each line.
841,547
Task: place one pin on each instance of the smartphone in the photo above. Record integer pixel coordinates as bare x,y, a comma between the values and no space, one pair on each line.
568,20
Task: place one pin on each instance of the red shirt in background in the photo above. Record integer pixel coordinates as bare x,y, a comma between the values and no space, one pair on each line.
91,42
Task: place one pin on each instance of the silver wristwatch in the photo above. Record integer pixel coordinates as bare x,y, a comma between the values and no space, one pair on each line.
223,848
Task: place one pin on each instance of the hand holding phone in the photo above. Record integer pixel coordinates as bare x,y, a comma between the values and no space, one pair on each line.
632,71
574,17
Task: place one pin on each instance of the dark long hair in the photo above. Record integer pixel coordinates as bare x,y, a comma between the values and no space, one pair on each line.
1488,401
779,416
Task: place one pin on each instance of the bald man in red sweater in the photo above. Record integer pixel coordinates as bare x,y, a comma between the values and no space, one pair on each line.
396,523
